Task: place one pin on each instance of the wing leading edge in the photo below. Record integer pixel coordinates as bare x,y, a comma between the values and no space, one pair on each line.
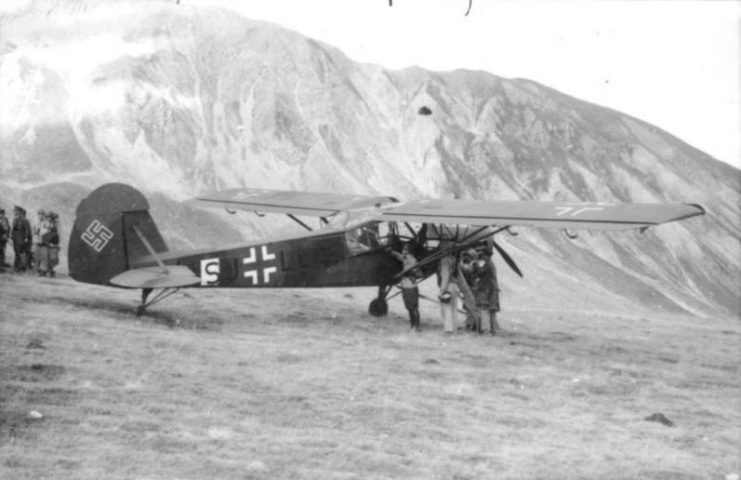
571,215
590,216
285,201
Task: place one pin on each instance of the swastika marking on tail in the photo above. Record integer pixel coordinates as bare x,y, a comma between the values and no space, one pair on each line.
97,235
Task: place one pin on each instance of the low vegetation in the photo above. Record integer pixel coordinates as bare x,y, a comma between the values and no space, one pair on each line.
236,384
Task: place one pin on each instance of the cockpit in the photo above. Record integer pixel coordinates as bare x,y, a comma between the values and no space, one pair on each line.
363,231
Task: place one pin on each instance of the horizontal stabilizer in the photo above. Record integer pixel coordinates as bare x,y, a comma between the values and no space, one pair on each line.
175,276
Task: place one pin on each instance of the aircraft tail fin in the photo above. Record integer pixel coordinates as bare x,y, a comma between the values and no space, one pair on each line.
106,236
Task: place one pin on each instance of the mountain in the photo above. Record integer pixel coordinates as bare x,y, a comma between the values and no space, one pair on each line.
175,100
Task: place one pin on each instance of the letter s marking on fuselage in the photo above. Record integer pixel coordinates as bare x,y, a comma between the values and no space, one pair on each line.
210,270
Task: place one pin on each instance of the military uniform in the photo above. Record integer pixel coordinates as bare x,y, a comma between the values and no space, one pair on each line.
409,290
48,246
20,234
486,292
4,235
448,271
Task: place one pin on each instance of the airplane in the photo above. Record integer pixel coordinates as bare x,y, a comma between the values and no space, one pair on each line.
115,242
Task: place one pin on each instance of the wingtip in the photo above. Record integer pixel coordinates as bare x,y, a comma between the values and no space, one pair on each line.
700,208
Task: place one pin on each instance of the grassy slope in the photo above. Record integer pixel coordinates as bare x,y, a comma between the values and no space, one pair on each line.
303,384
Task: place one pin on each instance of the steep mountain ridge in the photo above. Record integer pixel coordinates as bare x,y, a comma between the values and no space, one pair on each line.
179,100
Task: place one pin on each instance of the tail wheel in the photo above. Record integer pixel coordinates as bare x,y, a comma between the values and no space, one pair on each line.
378,307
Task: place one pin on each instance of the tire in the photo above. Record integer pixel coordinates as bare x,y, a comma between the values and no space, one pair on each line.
378,307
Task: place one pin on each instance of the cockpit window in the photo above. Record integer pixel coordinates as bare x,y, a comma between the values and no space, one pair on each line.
363,238
352,218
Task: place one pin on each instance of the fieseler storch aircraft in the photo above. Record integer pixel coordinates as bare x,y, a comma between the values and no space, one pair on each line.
115,242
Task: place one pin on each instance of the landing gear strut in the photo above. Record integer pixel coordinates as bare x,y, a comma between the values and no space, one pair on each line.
378,306
161,295
142,307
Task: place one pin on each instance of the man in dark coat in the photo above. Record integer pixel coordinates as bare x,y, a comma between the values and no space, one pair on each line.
4,235
487,253
21,236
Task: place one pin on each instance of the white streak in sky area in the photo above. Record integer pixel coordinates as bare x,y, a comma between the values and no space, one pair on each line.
78,62
80,58
672,64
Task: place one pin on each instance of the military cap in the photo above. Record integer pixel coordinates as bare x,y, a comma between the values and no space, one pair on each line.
471,252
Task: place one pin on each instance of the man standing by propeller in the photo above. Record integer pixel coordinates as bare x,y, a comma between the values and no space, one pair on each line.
448,296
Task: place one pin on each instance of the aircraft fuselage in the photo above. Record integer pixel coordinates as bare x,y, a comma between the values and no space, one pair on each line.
318,260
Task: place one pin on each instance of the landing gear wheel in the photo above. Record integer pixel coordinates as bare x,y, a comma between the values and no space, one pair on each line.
378,307
143,306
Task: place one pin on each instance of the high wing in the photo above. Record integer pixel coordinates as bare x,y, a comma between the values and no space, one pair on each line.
591,216
570,215
289,202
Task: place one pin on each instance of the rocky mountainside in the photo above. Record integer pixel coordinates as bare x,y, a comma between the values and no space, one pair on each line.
175,100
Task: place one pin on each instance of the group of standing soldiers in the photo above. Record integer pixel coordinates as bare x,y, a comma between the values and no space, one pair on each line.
35,248
470,276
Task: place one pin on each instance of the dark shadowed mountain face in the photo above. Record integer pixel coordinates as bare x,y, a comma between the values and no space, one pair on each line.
175,100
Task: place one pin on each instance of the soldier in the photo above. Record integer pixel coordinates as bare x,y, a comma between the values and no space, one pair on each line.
38,226
48,246
448,295
487,255
467,280
4,235
22,237
485,290
409,290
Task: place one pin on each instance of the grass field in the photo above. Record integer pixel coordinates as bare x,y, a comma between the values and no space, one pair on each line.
245,384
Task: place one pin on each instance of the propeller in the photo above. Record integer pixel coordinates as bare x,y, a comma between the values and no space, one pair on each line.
462,245
507,258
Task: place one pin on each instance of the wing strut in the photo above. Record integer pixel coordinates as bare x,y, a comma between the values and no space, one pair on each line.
293,217
434,257
441,253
